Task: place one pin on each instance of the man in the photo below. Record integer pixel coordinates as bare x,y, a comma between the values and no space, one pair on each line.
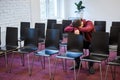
85,28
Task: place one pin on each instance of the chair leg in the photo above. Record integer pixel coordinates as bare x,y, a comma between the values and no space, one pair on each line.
50,74
79,68
42,60
74,71
32,65
100,72
22,60
6,61
106,73
64,64
12,62
114,78
29,68
55,64
113,72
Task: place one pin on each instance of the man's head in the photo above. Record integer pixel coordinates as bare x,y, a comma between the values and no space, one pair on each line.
77,23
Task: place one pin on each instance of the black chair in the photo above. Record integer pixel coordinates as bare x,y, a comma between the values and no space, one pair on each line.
116,23
23,26
0,35
41,31
113,40
99,50
115,62
11,42
59,27
51,46
30,46
74,50
65,23
50,23
100,26
63,36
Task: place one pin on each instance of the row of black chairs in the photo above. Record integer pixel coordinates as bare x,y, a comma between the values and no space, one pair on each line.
30,43
11,39
27,46
100,44
11,46
101,25
51,24
99,51
114,30
113,39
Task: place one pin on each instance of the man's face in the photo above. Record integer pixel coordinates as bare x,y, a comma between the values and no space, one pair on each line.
82,24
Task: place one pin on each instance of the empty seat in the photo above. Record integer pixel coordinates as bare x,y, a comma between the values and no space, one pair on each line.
100,25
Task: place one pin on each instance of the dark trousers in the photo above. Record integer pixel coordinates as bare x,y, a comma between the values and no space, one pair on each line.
85,46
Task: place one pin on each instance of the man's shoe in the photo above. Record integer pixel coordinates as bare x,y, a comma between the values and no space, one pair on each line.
76,67
91,70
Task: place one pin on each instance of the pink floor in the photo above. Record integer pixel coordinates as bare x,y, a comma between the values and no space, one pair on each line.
20,72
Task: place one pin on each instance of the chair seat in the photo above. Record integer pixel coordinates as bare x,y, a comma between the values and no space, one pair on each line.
74,54
94,58
46,52
99,54
113,47
51,48
29,49
115,62
70,55
7,48
26,49
41,39
63,44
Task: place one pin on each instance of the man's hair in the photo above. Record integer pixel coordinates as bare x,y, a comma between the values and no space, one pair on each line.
76,23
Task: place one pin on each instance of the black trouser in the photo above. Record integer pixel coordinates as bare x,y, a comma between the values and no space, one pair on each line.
77,61
85,46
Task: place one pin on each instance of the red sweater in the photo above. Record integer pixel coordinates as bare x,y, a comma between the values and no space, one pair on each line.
86,30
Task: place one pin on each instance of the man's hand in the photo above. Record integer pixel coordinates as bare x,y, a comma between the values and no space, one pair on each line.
77,32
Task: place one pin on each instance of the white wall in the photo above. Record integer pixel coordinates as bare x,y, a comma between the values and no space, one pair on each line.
35,12
12,12
107,10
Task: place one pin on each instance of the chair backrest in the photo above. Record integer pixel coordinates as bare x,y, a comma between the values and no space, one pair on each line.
52,39
31,37
66,23
100,43
116,23
114,31
50,23
75,43
41,29
23,26
12,36
0,35
118,46
59,27
100,26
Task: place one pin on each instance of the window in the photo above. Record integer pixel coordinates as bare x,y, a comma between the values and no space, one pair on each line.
51,9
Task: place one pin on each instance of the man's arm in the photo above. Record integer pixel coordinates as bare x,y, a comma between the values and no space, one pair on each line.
69,28
88,27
